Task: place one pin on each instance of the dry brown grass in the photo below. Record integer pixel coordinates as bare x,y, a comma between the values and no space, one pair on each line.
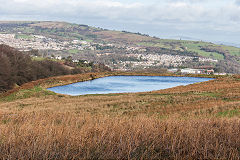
122,37
45,24
53,135
198,121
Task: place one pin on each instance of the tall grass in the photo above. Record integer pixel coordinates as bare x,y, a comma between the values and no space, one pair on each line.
51,135
198,121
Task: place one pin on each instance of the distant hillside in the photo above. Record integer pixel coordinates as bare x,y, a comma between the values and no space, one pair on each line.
118,49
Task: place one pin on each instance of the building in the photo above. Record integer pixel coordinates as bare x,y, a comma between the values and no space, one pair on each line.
210,71
196,71
173,70
75,60
190,71
220,74
59,57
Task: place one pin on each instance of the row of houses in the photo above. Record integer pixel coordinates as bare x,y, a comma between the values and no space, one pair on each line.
197,71
191,71
73,60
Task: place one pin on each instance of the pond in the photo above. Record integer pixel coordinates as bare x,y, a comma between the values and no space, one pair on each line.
125,84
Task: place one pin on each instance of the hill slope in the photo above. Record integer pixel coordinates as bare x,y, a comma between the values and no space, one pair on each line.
119,49
198,121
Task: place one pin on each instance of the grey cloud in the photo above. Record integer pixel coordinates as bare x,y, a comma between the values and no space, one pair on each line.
178,11
178,15
188,1
237,2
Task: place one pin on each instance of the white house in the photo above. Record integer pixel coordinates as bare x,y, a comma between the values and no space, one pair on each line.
59,57
192,71
75,60
173,70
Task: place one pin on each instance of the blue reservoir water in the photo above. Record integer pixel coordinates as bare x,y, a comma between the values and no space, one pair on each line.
125,84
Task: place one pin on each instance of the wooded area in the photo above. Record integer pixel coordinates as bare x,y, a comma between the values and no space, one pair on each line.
17,68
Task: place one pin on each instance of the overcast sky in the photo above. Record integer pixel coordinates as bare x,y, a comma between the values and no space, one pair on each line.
208,20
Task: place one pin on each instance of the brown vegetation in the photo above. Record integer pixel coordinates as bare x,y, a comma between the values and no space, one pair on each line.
52,135
50,24
113,36
198,121
17,68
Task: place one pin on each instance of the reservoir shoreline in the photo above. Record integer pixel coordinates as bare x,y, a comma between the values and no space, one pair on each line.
125,84
70,79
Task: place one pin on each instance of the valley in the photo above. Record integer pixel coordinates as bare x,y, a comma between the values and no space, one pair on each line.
120,50
195,121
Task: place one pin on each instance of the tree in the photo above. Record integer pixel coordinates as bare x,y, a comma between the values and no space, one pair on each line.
6,81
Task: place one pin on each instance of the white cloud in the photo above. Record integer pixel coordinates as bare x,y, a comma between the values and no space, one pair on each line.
174,10
216,15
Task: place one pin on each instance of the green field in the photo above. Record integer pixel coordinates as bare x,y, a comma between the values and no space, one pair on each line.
23,36
232,50
73,51
193,46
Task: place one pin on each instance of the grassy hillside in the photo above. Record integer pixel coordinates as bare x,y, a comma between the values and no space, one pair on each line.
65,30
120,44
198,121
194,46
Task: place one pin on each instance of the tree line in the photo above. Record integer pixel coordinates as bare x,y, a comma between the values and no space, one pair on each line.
17,68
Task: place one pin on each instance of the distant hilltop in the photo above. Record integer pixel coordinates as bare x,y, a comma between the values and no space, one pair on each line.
120,50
